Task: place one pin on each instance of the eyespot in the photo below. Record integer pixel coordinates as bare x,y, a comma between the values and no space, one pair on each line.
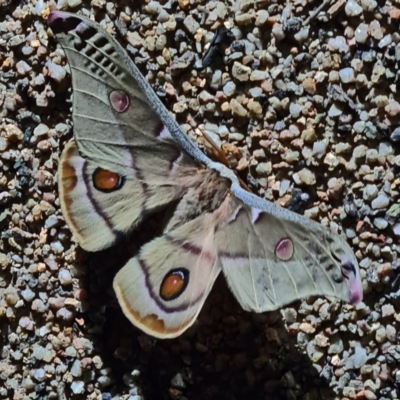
174,284
119,101
284,249
348,269
106,181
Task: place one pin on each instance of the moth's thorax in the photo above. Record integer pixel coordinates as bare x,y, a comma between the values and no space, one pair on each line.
203,197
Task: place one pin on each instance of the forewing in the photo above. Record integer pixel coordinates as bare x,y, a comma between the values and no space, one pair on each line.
117,131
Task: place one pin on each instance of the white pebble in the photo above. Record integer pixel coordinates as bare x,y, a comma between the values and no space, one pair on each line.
39,7
57,247
301,35
41,130
77,387
319,149
236,136
385,149
76,369
56,72
359,126
285,184
27,294
359,357
370,192
255,91
23,68
361,33
380,335
382,201
295,110
70,351
38,352
385,41
74,3
352,8
229,89
64,277
277,31
396,229
153,7
347,75
360,151
336,109
369,5
338,43
39,374
380,223
305,176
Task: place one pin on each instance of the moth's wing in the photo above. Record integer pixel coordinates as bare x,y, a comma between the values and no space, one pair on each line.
162,289
100,206
271,261
116,131
113,104
113,120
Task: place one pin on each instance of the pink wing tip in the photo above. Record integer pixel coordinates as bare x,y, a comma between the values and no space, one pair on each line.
351,272
55,15
356,291
60,21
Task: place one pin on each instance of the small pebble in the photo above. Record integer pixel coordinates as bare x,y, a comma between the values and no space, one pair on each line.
28,294
395,135
77,387
56,72
191,24
381,223
381,201
305,176
361,33
229,89
39,374
370,192
352,8
64,277
241,72
76,369
380,335
347,75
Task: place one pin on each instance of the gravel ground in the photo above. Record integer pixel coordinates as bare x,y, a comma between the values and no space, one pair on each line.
308,117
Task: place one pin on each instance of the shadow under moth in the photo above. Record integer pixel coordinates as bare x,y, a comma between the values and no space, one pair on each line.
129,158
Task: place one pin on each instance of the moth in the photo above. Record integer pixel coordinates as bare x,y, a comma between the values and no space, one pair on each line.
129,159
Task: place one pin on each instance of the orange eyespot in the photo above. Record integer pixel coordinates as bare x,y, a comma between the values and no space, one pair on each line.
174,284
106,181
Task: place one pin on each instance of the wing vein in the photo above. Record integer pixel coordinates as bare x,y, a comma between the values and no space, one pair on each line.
127,73
103,121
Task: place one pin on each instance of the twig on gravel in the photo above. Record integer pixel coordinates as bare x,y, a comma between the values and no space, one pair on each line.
324,4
